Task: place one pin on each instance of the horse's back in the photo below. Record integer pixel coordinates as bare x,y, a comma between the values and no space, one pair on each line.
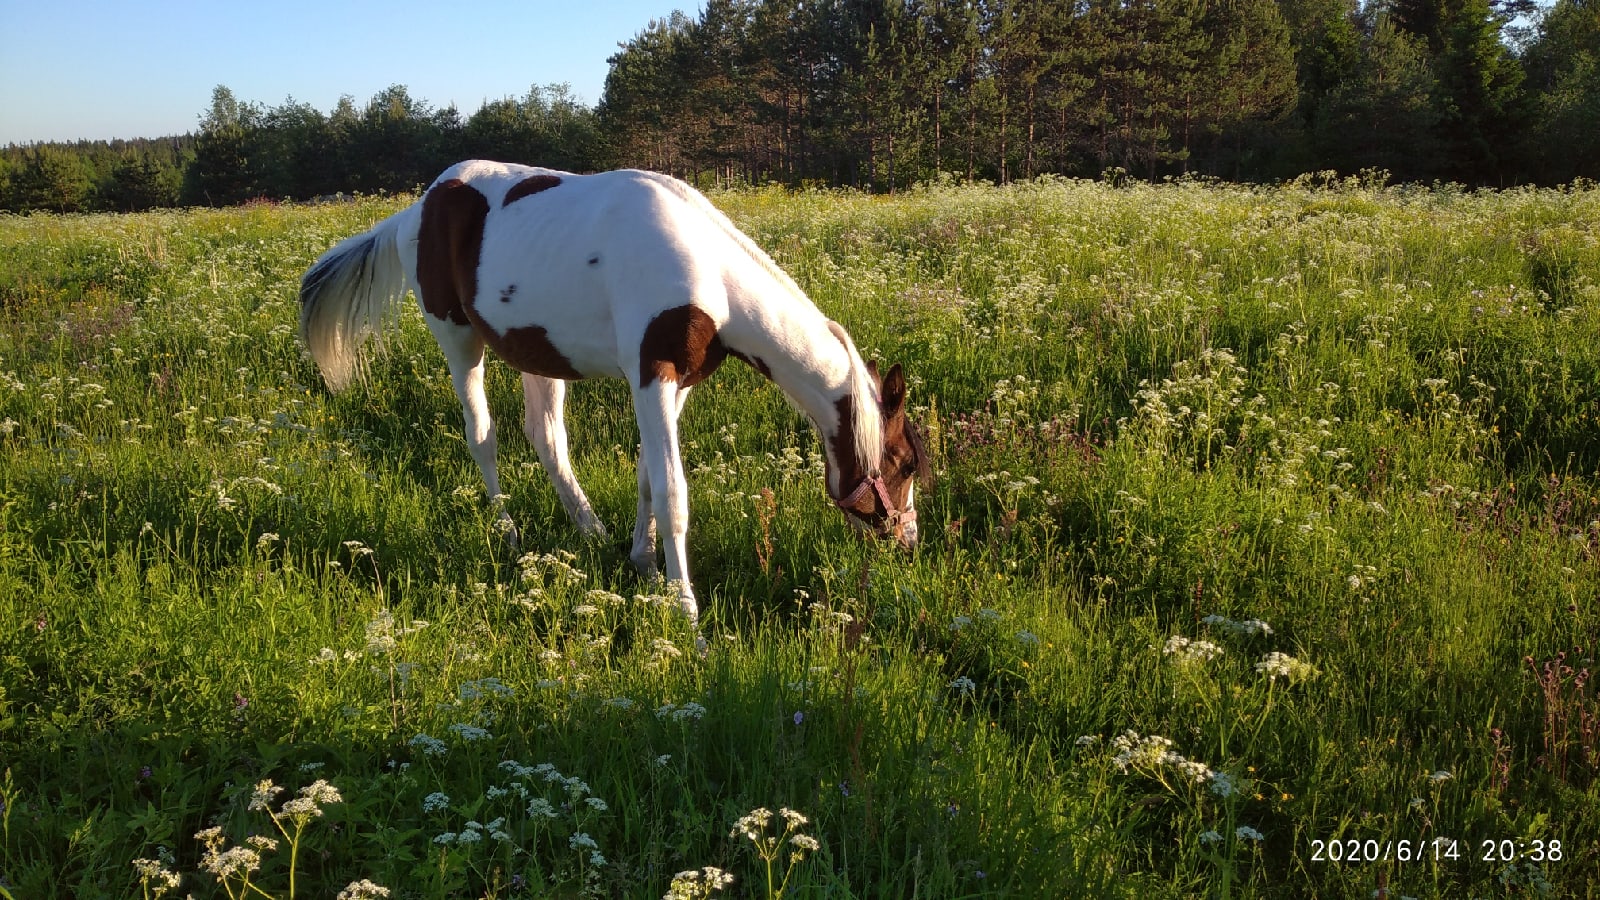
569,269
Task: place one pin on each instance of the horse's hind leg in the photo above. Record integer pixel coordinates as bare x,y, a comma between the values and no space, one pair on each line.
546,429
463,350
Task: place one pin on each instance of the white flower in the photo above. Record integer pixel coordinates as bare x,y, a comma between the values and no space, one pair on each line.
429,745
596,804
1246,833
470,732
539,806
1440,776
964,685
261,797
582,841
1028,638
1277,664
1209,837
792,818
231,862
435,802
752,824
363,890
156,877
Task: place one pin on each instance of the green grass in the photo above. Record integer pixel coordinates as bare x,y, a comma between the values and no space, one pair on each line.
1366,417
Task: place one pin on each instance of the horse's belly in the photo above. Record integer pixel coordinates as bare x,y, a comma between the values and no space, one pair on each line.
558,346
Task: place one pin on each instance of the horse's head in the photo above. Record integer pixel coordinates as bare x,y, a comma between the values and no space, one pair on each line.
884,500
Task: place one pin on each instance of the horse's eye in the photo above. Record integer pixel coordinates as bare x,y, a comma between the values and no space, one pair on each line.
908,470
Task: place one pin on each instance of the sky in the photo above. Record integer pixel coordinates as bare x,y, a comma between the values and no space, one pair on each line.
105,69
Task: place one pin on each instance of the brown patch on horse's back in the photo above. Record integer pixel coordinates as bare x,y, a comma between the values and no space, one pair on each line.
448,244
529,186
680,344
528,348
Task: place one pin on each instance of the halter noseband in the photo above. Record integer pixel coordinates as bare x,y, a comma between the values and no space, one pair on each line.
892,515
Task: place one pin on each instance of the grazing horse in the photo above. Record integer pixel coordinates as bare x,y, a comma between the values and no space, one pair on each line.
626,274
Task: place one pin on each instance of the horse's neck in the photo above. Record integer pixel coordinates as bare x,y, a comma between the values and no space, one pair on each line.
780,332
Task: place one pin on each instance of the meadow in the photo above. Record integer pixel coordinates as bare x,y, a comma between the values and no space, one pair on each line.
1261,559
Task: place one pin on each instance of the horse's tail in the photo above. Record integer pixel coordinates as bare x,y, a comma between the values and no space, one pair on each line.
350,293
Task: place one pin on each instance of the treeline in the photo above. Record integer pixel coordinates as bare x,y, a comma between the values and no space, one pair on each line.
879,93
246,151
884,93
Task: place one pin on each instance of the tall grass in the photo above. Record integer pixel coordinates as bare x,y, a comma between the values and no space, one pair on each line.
1263,541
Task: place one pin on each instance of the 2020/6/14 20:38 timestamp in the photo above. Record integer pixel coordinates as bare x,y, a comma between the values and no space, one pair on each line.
1436,849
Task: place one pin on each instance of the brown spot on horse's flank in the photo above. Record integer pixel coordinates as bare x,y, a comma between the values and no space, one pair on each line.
448,244
528,349
529,186
681,345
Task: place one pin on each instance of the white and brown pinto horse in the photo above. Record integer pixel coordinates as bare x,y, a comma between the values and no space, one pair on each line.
625,274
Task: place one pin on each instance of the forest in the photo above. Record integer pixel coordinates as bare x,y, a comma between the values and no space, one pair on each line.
882,94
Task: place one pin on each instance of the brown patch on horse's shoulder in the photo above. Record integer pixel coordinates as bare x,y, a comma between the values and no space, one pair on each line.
529,186
681,345
528,349
448,244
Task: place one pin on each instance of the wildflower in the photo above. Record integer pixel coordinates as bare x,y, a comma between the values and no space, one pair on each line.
964,685
663,759
539,806
1187,651
429,745
1440,776
267,539
1027,638
1246,833
1223,784
470,733
596,858
262,843
262,797
445,838
582,841
960,622
697,885
1210,837
596,804
803,844
233,861
363,890
799,716
623,703
155,877
436,802
1277,664
752,824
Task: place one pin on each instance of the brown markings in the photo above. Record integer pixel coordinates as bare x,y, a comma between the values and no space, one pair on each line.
905,457
448,247
681,345
528,349
529,186
448,244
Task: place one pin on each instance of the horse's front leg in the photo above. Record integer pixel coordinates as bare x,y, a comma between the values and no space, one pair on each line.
644,521
463,351
546,428
656,408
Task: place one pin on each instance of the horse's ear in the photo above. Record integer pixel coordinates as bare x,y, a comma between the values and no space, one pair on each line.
894,392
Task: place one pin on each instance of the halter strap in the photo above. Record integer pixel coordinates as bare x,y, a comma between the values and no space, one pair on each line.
875,483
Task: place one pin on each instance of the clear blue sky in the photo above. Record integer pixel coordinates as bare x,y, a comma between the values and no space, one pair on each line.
103,69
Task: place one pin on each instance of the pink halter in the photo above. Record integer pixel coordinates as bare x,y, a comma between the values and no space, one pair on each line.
893,516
